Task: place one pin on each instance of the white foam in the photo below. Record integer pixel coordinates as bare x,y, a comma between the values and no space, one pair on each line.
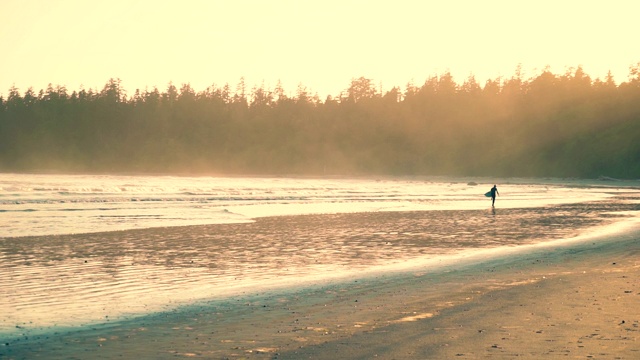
65,204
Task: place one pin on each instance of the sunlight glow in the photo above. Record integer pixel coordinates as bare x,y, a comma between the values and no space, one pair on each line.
319,44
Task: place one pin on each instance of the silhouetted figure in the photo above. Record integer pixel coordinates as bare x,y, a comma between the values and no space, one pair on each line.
494,192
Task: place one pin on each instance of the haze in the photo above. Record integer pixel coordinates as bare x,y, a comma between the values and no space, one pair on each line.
319,44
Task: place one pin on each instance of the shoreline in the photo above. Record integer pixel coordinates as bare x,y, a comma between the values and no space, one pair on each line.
358,314
139,200
580,301
577,310
352,229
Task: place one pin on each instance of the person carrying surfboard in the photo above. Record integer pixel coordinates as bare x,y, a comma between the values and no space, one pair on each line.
494,192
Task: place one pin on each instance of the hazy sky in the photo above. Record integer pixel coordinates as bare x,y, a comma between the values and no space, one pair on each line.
321,44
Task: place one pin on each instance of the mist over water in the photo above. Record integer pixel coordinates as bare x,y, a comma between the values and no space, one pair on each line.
79,250
566,125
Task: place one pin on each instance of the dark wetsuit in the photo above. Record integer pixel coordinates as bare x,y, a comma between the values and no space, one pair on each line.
494,191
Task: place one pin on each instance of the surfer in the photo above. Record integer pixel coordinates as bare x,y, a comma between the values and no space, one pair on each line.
494,192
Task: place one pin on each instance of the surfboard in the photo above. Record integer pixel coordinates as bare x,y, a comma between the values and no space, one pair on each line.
488,194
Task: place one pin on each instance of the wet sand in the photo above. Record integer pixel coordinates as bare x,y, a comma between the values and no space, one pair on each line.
576,300
77,280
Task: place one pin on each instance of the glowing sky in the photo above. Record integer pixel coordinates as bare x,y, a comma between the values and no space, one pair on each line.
321,44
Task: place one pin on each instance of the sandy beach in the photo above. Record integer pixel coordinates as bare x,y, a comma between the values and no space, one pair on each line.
550,272
576,300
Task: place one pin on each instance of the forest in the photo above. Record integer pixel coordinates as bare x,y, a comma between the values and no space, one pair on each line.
549,125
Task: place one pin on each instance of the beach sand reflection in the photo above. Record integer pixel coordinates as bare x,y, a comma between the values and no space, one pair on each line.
75,280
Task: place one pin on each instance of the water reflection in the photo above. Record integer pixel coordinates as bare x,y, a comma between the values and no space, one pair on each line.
71,279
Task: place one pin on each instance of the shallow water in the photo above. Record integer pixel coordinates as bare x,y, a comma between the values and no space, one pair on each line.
67,204
62,279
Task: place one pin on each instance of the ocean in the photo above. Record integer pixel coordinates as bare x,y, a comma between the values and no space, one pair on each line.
80,250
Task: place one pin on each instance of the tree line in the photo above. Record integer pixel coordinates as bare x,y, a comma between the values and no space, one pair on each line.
560,125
